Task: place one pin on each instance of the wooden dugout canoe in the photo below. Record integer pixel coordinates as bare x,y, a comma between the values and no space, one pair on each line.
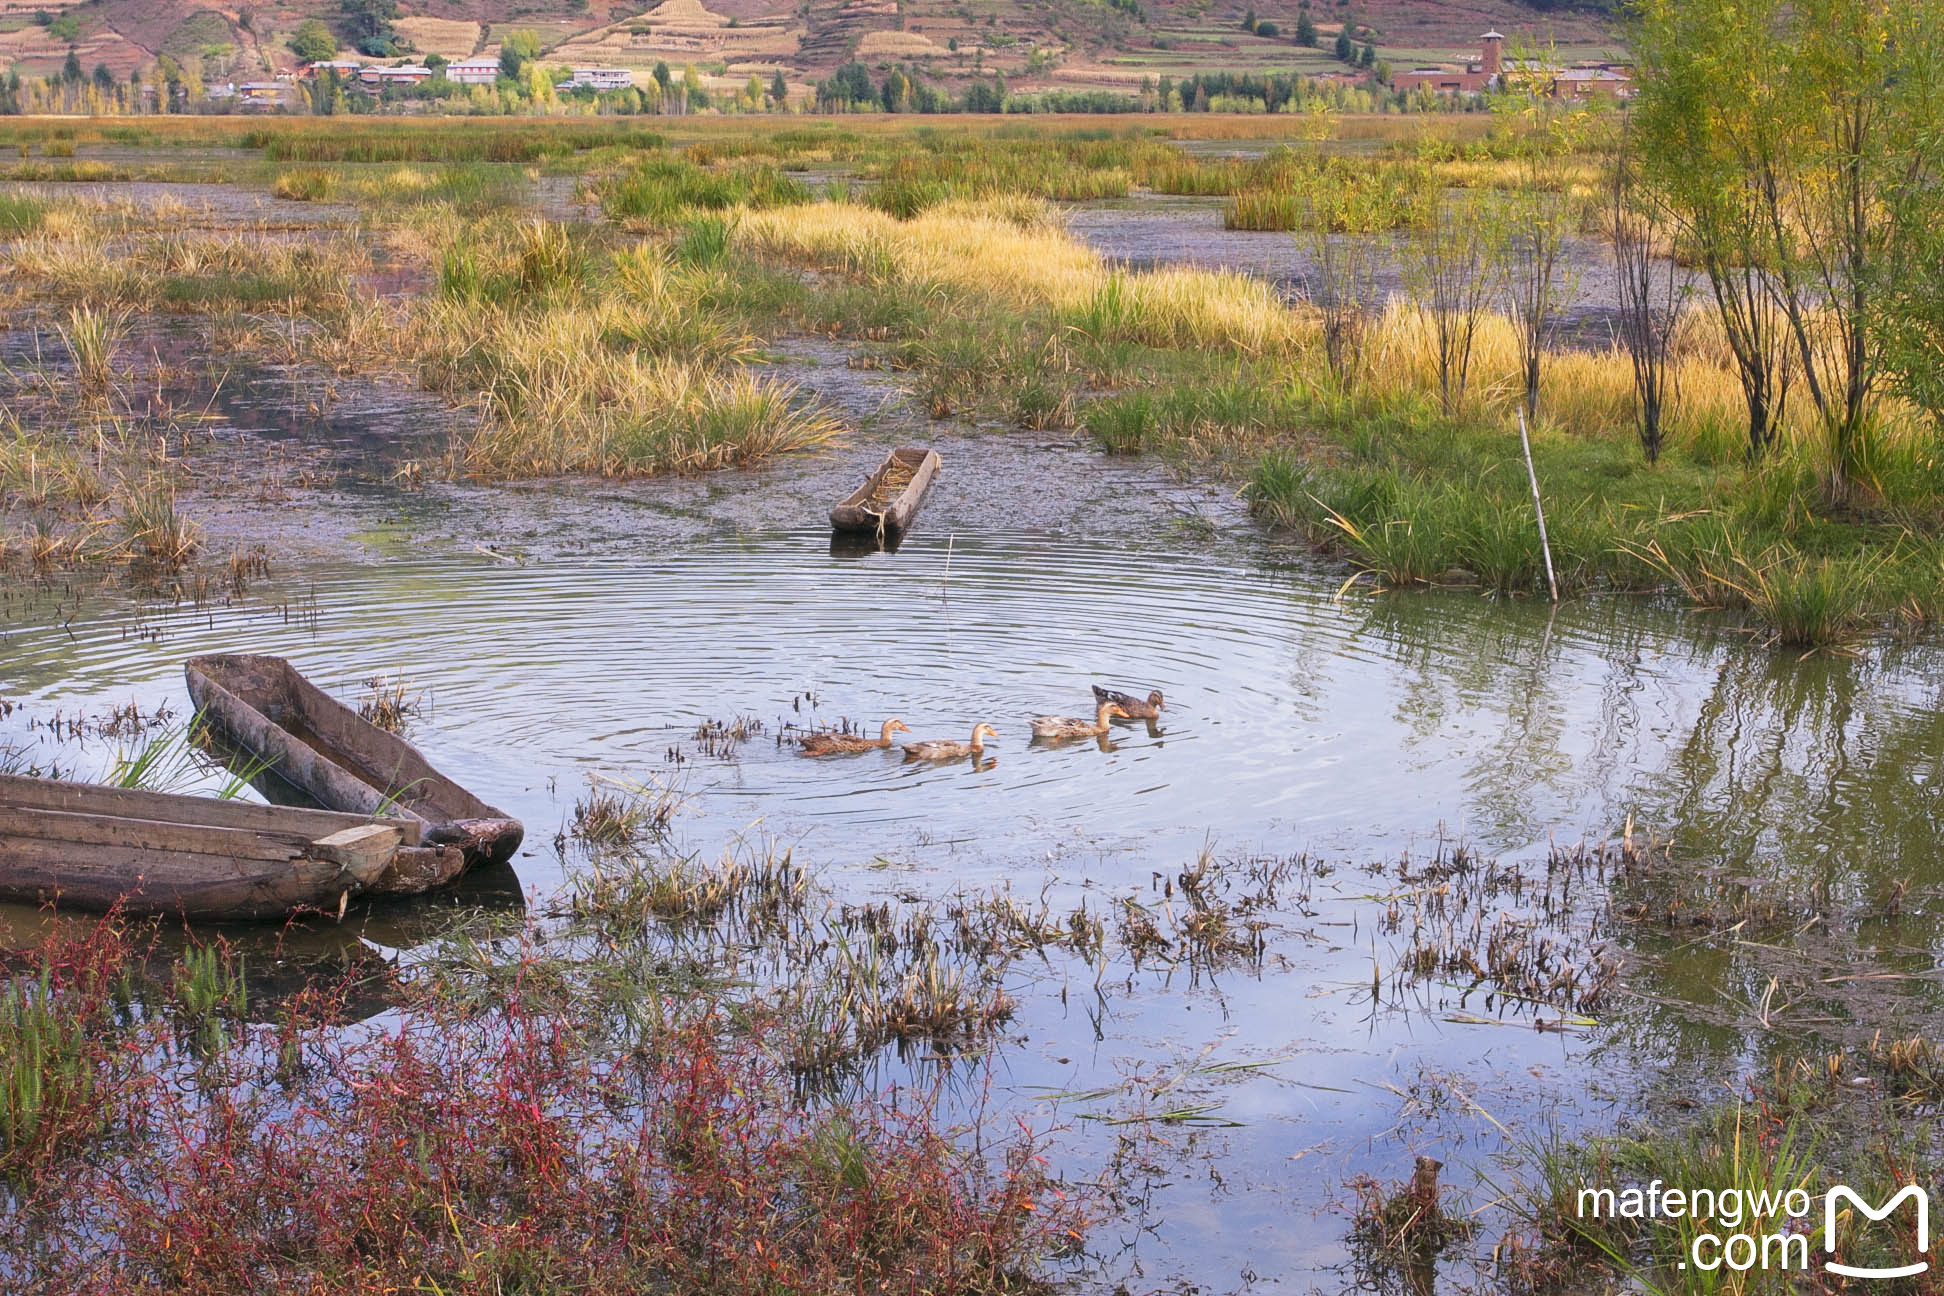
889,498
327,751
88,847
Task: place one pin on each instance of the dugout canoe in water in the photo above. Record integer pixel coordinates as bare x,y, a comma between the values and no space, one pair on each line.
83,846
324,749
889,498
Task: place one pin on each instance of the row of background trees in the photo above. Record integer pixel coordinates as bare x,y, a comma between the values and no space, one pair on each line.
526,85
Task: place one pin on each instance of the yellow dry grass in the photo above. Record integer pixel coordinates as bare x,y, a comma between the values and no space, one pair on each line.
187,270
1014,250
557,396
1582,393
451,38
897,44
615,373
680,14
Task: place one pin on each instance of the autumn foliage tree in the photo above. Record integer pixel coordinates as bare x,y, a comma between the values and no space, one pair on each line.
1797,144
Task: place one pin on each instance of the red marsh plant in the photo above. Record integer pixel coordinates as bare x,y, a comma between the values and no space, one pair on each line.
429,1150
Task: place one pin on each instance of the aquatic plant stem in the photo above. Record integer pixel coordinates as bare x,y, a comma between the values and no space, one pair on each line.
1539,509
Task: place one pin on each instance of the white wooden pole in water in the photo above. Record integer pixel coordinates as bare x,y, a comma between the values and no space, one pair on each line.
1532,475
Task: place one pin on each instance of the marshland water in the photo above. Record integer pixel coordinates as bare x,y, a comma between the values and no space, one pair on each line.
1328,758
1355,730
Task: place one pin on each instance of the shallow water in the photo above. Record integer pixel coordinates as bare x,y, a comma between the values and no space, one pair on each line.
571,628
1294,720
1353,727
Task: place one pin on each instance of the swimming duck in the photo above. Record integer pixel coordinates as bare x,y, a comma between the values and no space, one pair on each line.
1135,708
827,744
1059,728
936,749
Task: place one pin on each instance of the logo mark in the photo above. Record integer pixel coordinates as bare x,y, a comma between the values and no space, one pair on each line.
1876,1213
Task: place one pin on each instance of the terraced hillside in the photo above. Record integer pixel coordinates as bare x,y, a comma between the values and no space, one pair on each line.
1112,44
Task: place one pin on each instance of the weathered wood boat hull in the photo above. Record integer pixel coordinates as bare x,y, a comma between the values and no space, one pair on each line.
310,740
86,847
419,865
855,512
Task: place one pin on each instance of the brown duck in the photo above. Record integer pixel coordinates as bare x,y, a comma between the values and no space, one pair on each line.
1061,728
1135,708
827,744
939,749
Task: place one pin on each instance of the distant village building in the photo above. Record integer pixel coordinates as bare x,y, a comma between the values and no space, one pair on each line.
1490,72
260,96
1612,80
376,77
473,71
347,69
603,78
1478,76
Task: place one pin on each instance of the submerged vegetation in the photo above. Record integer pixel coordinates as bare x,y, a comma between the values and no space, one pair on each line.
525,1145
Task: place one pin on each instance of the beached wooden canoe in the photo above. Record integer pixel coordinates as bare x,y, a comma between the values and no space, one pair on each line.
330,753
889,498
81,846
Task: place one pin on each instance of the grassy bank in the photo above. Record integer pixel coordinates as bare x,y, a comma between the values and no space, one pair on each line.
623,346
1190,361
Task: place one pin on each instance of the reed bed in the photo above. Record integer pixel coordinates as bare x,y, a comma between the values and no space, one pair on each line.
441,141
971,246
192,271
661,190
567,389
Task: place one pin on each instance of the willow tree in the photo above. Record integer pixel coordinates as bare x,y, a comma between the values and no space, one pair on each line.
1794,138
1707,141
1860,114
1541,213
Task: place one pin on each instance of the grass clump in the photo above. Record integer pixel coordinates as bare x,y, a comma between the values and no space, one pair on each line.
153,531
210,994
536,259
389,702
1764,1163
616,813
581,361
304,184
195,271
661,190
1243,411
562,390
983,249
20,215
54,1070
48,1072
91,337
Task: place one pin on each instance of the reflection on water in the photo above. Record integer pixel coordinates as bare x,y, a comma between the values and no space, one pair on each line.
1353,728
1293,720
